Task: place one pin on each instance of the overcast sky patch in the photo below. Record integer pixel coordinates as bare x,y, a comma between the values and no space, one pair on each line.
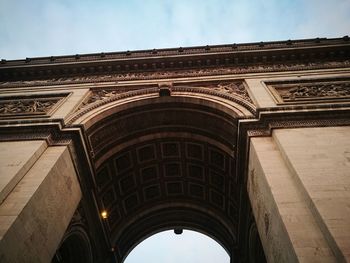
45,28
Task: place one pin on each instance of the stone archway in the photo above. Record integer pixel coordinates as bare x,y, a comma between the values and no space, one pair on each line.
72,116
74,248
166,161
178,184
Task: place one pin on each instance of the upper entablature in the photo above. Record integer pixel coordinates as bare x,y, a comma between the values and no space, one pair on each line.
181,51
217,59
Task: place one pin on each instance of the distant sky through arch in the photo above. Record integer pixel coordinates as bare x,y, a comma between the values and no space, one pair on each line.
189,247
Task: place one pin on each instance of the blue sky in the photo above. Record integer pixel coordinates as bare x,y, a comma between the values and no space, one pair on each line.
30,28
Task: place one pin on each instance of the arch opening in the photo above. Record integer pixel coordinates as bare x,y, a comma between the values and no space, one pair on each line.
163,163
168,182
189,246
75,248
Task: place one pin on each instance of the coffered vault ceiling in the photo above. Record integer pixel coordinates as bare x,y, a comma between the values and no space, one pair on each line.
174,172
171,158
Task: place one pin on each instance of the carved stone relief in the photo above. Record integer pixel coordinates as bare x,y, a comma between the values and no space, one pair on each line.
40,105
102,94
310,91
226,89
111,94
114,77
98,95
236,88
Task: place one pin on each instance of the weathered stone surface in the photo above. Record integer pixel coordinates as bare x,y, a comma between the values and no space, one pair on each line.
123,116
319,158
16,158
287,227
37,212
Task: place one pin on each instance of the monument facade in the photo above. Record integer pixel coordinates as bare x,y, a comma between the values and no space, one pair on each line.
246,143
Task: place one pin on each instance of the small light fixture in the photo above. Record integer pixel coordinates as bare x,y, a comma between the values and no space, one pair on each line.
104,214
178,231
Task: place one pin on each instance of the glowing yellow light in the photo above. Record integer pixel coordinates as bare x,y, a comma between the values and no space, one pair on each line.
104,214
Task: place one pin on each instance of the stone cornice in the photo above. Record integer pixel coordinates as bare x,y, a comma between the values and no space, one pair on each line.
175,52
144,64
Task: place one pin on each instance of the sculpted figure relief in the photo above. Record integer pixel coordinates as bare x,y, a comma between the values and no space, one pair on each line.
224,87
234,88
314,91
34,106
97,95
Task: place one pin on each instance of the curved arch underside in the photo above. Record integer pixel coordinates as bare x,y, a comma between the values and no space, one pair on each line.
75,247
159,118
165,165
169,174
173,217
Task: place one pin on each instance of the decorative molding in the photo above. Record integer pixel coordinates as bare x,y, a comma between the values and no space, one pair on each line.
87,107
234,91
146,64
42,105
52,136
229,87
161,74
102,94
98,95
309,123
264,130
234,88
221,92
309,91
198,50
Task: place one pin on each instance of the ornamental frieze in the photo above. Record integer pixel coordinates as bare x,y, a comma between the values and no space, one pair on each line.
30,106
326,90
115,77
